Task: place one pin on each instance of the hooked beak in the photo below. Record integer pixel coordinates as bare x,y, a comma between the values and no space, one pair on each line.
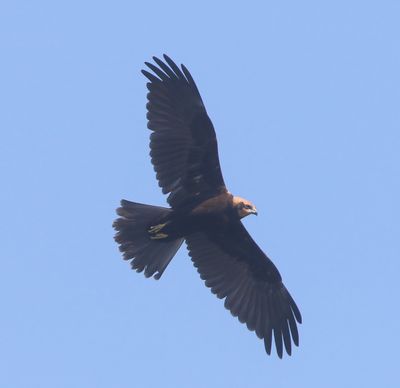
254,211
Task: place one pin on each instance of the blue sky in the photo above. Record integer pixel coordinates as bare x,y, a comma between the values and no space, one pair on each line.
305,99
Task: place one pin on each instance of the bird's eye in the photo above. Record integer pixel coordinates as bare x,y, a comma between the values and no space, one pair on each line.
247,206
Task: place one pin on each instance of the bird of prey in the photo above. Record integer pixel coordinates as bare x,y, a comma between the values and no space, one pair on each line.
202,212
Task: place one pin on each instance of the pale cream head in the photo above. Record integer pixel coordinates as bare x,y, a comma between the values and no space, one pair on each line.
243,207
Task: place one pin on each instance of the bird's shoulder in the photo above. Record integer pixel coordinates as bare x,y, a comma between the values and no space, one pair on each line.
217,204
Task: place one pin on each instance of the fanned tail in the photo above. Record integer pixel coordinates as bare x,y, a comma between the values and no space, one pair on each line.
150,256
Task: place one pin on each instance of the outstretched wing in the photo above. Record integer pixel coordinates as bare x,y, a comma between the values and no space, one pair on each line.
183,143
235,268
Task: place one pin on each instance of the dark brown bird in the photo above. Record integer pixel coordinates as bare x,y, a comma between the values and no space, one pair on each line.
203,213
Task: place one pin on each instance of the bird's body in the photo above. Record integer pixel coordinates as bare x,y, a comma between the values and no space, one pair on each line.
203,213
185,221
210,215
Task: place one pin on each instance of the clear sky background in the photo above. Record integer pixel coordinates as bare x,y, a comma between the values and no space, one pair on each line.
305,99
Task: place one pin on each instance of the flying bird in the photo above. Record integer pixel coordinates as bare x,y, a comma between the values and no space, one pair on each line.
202,212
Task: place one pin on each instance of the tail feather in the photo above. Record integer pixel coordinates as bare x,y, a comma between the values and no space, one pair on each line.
146,255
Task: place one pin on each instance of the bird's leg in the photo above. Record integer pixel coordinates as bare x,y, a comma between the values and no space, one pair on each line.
154,231
156,228
159,236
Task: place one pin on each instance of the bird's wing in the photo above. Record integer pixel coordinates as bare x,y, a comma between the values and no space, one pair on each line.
235,268
183,143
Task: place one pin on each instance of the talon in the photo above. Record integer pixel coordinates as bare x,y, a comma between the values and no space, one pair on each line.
159,236
156,228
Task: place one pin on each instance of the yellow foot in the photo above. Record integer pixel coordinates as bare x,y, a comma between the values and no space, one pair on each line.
159,236
156,228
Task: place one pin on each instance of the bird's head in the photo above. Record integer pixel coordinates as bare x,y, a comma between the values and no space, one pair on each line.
243,207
